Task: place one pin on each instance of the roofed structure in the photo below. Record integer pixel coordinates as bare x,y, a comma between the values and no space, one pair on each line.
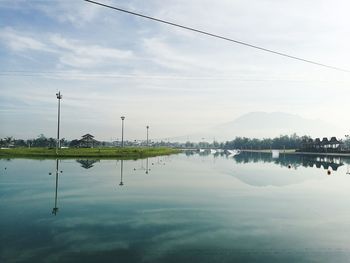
323,145
88,141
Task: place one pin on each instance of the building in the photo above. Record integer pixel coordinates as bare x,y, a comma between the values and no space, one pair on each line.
324,145
88,141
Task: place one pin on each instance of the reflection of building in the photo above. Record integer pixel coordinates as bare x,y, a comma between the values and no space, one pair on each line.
293,159
332,145
87,141
87,164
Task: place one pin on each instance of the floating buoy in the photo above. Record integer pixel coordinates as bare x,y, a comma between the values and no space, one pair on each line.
50,173
289,166
329,172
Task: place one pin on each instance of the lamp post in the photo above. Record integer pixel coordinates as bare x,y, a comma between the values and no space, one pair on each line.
59,97
123,118
347,141
147,127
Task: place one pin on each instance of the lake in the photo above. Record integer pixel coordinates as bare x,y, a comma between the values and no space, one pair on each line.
188,207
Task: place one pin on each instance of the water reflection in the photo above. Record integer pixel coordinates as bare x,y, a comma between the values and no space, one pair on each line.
143,168
293,160
121,172
88,163
187,211
147,164
55,209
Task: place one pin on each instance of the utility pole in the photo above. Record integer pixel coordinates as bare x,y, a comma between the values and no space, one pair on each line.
58,144
123,118
147,127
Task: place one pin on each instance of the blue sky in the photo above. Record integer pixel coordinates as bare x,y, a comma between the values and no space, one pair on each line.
109,64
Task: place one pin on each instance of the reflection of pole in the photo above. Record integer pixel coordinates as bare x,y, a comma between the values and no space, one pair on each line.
55,209
59,97
147,166
121,172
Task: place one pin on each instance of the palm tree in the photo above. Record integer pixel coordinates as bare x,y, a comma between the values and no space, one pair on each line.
8,140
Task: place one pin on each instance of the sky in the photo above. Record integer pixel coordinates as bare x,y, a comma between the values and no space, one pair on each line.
108,64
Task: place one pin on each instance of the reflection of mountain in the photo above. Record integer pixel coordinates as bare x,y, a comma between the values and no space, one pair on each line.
87,164
292,160
260,169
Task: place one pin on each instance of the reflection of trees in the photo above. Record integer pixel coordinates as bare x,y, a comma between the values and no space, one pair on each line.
293,160
87,164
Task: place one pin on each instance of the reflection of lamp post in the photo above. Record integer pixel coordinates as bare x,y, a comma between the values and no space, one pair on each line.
121,173
147,127
147,169
123,118
59,97
55,209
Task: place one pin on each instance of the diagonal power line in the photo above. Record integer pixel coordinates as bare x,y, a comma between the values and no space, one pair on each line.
218,36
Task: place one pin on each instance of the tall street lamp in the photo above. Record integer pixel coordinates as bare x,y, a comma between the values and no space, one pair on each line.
123,118
147,127
58,144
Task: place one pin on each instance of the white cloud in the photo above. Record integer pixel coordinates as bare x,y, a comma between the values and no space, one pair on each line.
18,41
127,65
77,54
69,52
77,13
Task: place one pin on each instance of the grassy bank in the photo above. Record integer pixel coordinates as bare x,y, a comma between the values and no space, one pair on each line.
123,153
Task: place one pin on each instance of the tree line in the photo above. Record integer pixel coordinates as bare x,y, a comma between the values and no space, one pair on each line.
282,142
40,141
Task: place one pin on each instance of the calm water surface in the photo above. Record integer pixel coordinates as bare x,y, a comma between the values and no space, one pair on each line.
182,208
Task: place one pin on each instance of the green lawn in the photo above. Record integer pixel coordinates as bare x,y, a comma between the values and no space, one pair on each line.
124,153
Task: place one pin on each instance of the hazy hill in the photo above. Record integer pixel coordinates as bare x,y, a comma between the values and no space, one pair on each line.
264,124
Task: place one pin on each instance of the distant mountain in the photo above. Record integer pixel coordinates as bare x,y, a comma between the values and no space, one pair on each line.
264,124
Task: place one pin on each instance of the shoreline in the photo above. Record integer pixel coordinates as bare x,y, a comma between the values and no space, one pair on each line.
100,153
294,152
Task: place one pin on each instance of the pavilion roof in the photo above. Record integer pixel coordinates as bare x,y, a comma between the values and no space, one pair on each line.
325,140
88,136
334,140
